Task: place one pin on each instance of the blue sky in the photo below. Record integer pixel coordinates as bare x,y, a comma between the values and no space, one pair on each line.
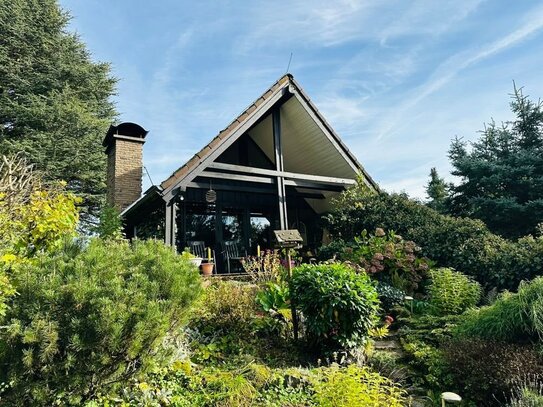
396,79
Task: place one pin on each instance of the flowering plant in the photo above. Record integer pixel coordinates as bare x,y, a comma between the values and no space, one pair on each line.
389,258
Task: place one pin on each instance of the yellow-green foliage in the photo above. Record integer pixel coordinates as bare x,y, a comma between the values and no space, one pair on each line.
6,291
452,292
227,307
355,386
260,386
38,224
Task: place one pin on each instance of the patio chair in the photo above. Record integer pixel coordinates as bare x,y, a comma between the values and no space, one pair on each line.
231,250
198,248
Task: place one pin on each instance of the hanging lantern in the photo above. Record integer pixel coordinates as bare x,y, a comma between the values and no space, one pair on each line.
211,196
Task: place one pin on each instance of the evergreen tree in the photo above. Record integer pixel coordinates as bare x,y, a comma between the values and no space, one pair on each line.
437,192
502,174
54,100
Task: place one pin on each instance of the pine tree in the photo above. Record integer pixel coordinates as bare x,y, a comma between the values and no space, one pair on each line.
502,174
437,192
55,101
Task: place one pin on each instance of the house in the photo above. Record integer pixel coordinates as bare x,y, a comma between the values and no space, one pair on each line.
276,166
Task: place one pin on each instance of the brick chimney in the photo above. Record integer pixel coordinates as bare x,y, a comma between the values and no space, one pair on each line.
124,149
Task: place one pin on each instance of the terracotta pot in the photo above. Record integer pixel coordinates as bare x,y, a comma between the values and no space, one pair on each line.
207,269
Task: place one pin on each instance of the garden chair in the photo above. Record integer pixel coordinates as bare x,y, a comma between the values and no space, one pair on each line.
198,248
231,250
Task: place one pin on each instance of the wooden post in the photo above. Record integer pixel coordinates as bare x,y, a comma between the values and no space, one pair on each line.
170,226
281,193
292,305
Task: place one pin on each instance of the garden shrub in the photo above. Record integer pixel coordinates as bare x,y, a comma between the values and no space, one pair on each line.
339,305
256,385
227,307
421,340
460,243
389,258
452,292
389,296
486,371
512,317
356,387
86,318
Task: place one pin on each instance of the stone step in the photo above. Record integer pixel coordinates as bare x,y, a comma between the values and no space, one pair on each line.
386,345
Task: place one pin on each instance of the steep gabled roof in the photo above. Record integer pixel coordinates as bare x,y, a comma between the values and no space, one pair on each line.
258,109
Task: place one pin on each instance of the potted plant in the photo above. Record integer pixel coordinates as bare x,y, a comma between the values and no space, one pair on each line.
207,268
191,257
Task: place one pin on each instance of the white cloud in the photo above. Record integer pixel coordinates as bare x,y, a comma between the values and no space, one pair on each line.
457,63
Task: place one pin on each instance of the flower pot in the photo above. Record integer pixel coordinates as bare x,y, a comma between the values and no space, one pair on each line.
207,269
196,261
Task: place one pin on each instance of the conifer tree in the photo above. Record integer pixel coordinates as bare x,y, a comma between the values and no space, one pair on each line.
55,102
501,175
437,192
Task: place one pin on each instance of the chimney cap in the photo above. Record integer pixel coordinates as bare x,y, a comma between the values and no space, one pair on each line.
125,129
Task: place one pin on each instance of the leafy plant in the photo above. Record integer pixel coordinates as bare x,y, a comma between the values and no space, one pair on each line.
111,224
528,392
356,386
339,305
451,292
6,292
266,268
389,296
226,307
512,317
274,297
87,318
389,258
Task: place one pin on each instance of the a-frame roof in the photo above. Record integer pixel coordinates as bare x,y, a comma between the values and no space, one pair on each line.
283,88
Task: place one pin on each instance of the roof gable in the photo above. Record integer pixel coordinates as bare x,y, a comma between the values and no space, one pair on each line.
301,119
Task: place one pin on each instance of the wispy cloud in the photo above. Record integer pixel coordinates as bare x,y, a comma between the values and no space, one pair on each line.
459,62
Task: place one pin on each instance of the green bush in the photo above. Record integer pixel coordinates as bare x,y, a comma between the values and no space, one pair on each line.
452,292
227,307
86,318
355,386
339,305
389,258
185,385
512,317
460,243
485,372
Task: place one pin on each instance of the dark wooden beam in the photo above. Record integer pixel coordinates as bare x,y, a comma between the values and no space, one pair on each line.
254,190
237,177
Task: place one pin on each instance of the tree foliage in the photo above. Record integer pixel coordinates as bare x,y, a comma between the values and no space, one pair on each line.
34,217
461,243
54,100
502,174
437,191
